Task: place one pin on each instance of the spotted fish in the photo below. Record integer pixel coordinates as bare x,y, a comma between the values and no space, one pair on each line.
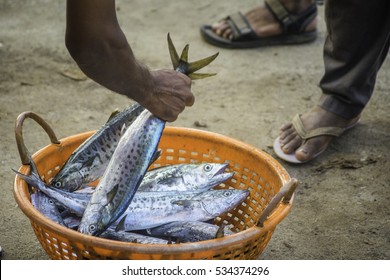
189,231
89,161
132,237
74,202
123,175
156,208
185,177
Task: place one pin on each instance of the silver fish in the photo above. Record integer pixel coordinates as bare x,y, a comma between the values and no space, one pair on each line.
188,231
46,205
89,161
156,208
74,202
185,177
132,237
123,175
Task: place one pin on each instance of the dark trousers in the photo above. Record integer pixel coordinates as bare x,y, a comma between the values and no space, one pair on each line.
357,43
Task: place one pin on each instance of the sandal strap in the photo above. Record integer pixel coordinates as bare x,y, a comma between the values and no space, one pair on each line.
239,24
291,23
298,125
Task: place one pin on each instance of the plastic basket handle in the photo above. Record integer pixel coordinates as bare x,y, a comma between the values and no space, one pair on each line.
284,195
23,151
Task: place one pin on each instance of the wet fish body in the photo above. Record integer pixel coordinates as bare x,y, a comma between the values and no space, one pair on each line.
132,237
185,177
156,208
74,202
123,175
188,231
89,161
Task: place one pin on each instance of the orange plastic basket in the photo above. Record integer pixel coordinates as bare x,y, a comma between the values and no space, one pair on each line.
254,220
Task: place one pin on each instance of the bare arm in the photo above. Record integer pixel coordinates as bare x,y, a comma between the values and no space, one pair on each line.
96,42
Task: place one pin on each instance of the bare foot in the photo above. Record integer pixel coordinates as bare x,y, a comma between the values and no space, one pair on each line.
315,118
263,22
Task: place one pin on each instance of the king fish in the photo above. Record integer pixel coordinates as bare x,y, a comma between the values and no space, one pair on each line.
156,208
89,161
151,209
189,231
185,177
74,202
123,175
132,237
77,201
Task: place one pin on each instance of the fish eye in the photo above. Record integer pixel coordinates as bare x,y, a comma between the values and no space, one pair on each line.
207,167
58,185
51,201
92,228
227,193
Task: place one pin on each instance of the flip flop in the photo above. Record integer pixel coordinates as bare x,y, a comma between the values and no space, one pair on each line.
305,135
293,26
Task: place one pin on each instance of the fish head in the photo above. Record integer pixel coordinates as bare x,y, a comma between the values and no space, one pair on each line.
217,202
68,179
208,175
211,170
94,221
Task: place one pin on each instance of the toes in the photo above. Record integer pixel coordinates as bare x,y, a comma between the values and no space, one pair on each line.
284,134
312,148
290,146
220,28
286,127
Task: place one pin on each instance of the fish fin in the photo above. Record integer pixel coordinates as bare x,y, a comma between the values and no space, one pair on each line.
123,129
220,232
121,224
183,66
183,202
113,114
33,167
198,76
89,162
199,64
184,54
30,179
173,53
111,194
155,156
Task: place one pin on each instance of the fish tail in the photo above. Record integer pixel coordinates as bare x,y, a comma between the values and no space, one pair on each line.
32,179
181,64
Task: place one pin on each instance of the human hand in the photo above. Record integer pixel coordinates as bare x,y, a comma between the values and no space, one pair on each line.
171,93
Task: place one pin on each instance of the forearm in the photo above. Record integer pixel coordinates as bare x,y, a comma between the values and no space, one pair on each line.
98,45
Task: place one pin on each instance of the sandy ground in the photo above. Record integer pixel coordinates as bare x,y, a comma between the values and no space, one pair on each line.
341,209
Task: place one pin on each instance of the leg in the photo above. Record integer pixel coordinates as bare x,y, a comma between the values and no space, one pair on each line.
266,21
355,48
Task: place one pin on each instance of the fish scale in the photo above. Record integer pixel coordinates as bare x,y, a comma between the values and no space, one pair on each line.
124,173
89,161
151,209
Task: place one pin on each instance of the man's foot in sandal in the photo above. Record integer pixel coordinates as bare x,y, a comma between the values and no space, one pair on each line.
308,135
278,22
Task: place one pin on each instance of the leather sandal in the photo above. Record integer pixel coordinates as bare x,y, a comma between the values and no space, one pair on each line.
293,26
